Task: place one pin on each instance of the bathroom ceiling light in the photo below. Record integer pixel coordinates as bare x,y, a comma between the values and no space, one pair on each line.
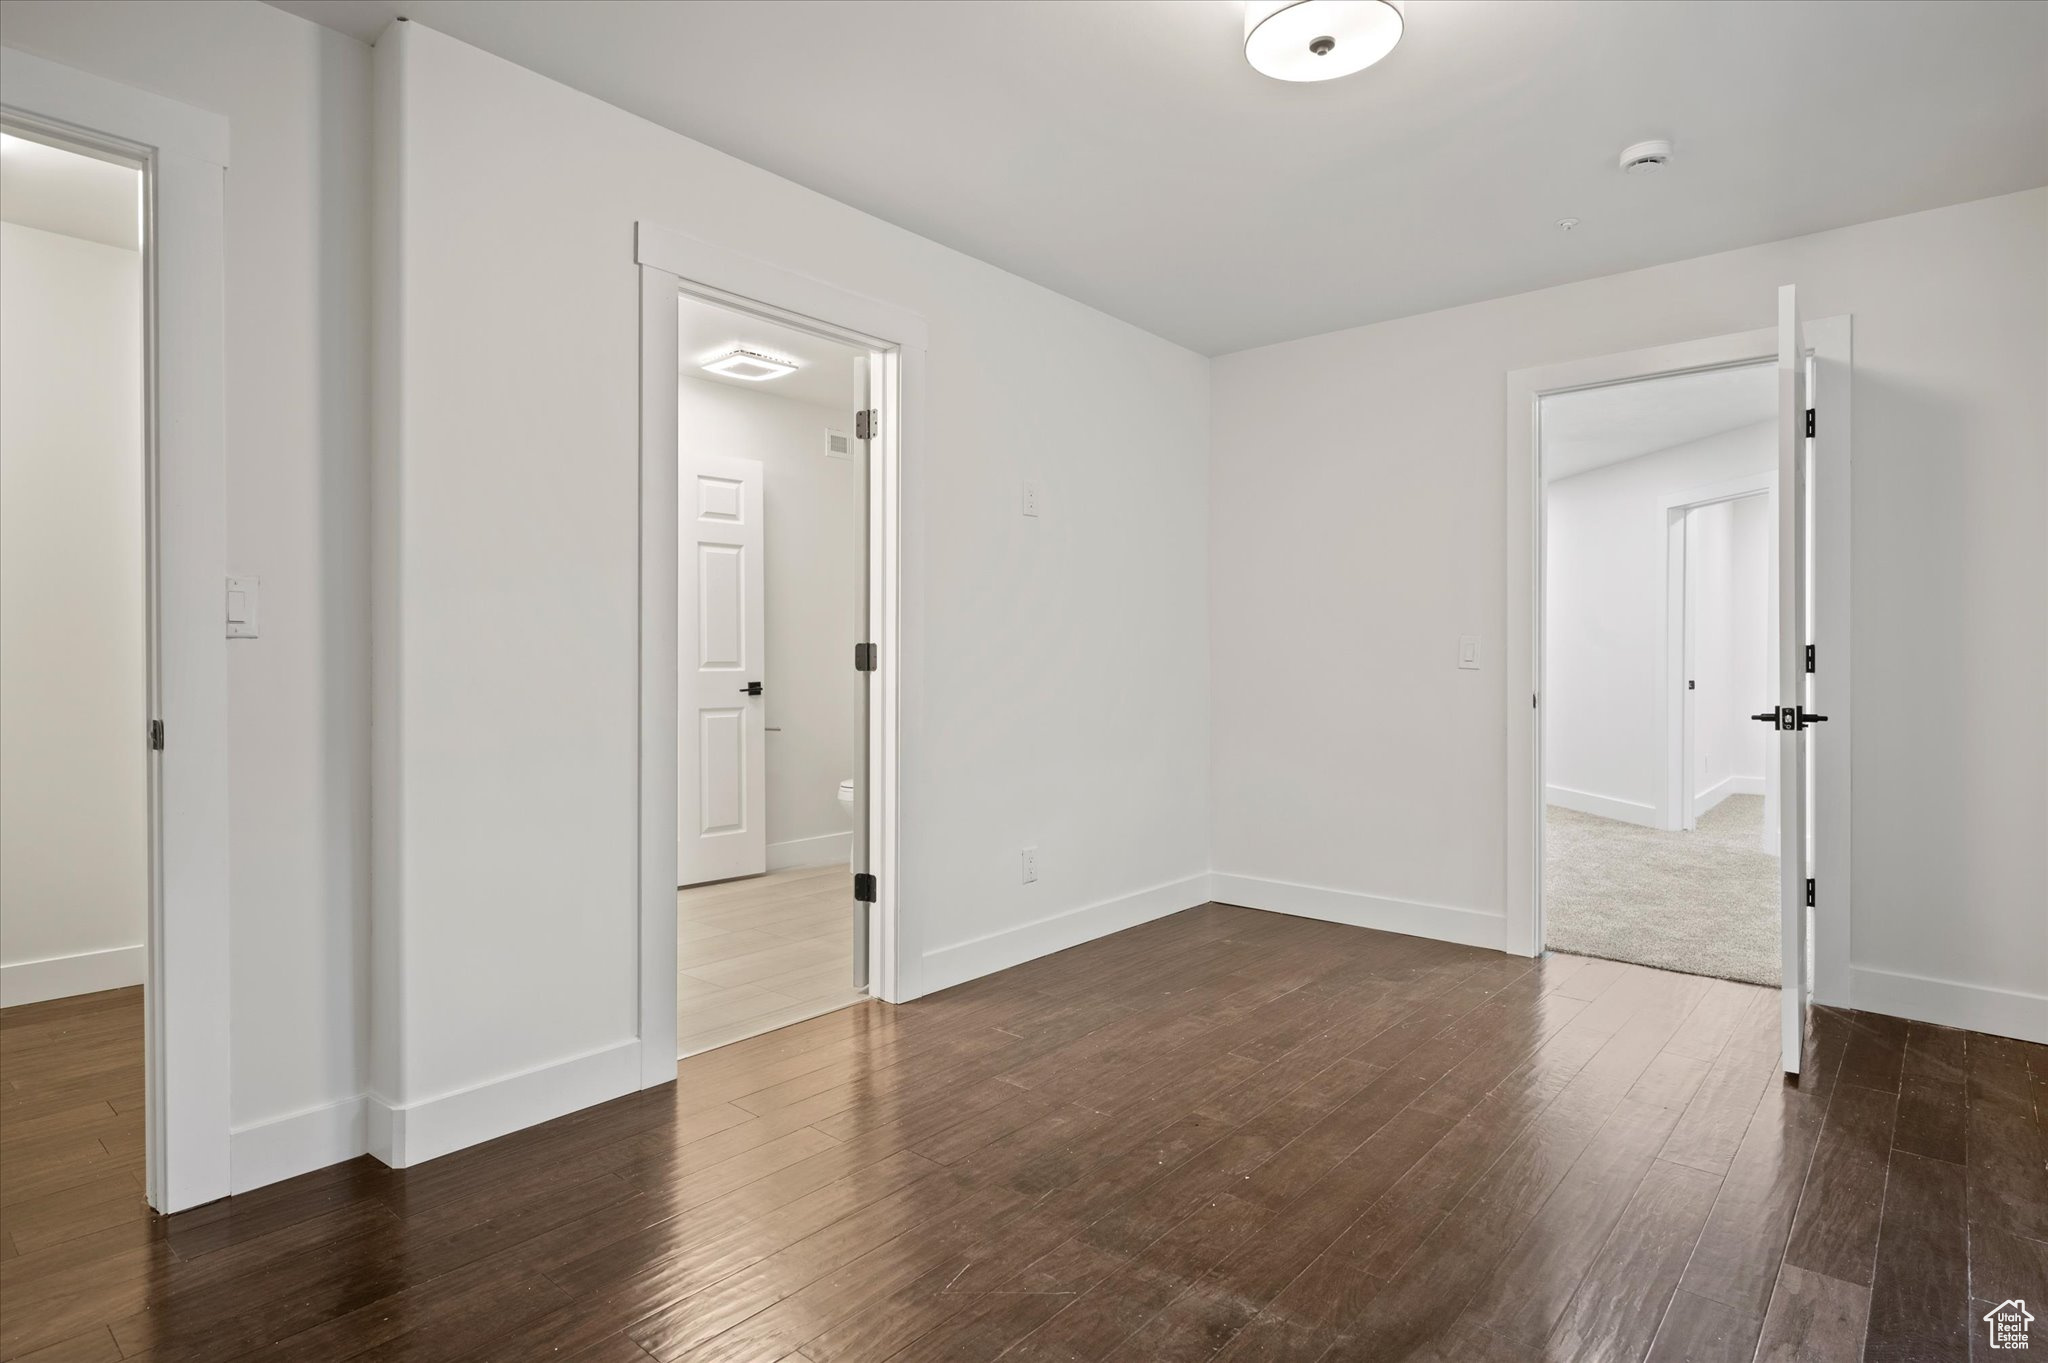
1319,39
752,365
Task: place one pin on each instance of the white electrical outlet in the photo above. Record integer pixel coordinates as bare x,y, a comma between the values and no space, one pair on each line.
1030,865
1031,499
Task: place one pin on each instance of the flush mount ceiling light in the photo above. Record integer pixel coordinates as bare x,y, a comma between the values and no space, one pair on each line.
1319,39
752,365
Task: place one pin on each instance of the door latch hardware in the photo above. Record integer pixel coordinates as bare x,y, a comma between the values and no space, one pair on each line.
752,688
1789,718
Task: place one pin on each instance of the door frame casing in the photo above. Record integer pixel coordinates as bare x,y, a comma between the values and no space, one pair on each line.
1829,344
673,265
183,153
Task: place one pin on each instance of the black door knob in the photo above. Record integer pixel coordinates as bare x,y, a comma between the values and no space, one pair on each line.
752,688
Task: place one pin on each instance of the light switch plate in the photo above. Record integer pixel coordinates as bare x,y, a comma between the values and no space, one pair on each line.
1468,651
244,605
1031,499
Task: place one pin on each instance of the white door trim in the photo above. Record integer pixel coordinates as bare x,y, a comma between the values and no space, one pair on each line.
1829,340
183,152
673,264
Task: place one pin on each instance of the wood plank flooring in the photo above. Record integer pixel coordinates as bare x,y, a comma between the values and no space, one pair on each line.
1225,1135
757,954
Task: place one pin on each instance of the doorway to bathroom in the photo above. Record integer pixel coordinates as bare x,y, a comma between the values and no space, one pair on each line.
773,492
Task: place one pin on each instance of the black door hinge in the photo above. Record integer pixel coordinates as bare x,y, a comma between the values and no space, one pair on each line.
864,658
1809,657
1809,423
156,735
867,425
1809,892
863,888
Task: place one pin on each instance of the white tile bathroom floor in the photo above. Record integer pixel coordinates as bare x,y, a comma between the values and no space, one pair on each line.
757,954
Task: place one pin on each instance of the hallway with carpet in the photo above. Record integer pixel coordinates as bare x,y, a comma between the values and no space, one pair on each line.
1703,902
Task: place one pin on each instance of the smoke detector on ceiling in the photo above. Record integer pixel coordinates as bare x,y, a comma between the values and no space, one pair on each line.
1645,158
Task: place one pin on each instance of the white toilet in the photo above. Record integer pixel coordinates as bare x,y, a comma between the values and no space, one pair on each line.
846,799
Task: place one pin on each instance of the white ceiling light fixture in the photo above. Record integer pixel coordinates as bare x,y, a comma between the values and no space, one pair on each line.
751,365
1319,39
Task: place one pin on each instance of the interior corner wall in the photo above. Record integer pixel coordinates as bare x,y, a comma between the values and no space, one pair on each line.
813,507
1364,475
74,793
1056,688
1604,570
296,98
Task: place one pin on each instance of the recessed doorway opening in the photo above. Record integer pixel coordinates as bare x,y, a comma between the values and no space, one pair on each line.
1660,831
773,504
78,860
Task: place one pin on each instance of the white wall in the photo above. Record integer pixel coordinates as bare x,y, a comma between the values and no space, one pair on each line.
1358,484
813,506
1603,736
1730,546
74,834
1056,687
297,100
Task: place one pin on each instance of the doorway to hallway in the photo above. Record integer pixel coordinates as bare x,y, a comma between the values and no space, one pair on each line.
1659,791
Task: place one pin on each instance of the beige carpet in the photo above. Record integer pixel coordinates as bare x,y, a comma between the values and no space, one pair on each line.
1704,902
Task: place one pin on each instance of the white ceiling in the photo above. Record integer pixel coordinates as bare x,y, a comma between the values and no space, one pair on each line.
61,191
1123,153
825,369
1595,427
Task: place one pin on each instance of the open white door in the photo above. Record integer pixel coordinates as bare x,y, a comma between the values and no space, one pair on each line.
865,661
721,796
1791,718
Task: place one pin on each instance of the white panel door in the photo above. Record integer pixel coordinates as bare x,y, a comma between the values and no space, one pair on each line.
722,796
1792,719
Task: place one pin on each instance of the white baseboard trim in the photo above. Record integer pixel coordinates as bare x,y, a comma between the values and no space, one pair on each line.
285,1147
1468,927
1603,806
409,1134
60,977
1951,1003
946,966
824,850
1723,788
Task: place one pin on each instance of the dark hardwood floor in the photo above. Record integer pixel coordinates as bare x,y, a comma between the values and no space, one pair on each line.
1225,1135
